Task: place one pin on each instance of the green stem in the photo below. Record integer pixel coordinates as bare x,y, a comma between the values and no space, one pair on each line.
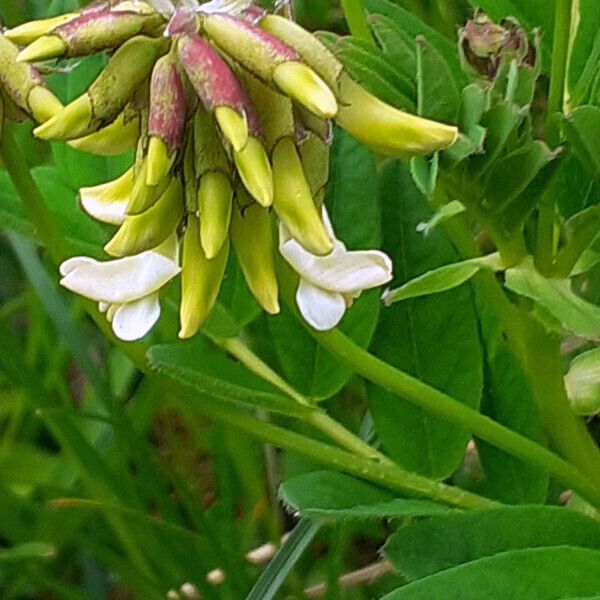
560,53
18,171
567,432
390,476
318,418
437,402
544,245
570,253
356,17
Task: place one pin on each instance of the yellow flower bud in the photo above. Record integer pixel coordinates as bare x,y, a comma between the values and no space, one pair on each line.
200,280
386,129
71,122
159,161
129,66
44,48
29,32
215,199
255,171
114,139
293,201
303,85
252,239
233,125
148,230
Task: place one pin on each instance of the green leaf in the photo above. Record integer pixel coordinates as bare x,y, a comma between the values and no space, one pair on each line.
500,121
582,130
352,204
426,547
585,53
283,562
374,73
374,59
443,214
397,45
531,574
420,337
425,172
555,296
511,175
442,279
207,369
335,496
438,96
236,298
414,27
507,399
571,188
85,235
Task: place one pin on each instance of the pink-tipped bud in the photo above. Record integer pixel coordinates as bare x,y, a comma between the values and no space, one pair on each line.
167,104
254,48
214,82
91,32
183,22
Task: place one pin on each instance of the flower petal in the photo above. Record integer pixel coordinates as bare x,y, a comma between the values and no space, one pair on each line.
112,213
341,271
132,321
73,263
321,309
122,280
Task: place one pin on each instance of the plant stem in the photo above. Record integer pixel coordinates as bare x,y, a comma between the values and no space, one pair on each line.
544,244
437,402
567,431
560,53
318,418
18,171
569,254
390,476
356,17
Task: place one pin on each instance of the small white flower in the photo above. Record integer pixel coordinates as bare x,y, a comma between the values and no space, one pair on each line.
328,284
126,288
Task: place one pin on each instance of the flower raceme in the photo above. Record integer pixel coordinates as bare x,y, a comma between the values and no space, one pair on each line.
229,111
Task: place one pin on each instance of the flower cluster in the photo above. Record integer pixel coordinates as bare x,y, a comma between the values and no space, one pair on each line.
229,110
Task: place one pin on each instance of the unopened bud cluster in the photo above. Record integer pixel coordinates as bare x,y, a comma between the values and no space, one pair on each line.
229,111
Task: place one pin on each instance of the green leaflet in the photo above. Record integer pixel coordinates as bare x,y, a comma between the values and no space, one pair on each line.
508,399
531,574
85,235
419,336
209,371
555,297
443,214
334,496
582,129
442,279
426,547
438,97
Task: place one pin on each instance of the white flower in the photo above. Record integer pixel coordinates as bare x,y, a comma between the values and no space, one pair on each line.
328,284
125,288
